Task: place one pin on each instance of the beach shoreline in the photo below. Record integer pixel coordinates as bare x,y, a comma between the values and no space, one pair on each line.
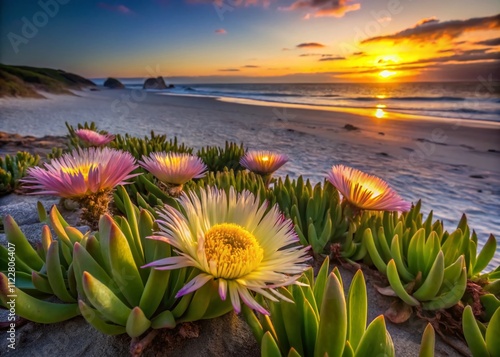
454,166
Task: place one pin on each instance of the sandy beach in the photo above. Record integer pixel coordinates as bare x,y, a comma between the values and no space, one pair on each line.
452,165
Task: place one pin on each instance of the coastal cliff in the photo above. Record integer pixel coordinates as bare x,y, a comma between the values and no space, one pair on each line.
24,81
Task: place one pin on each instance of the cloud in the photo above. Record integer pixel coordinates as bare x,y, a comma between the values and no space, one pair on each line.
315,55
489,42
122,9
385,61
446,50
232,3
320,8
250,66
428,30
466,56
464,59
229,70
220,31
332,58
310,45
428,20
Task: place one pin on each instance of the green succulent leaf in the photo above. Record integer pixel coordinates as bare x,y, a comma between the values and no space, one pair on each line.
104,300
486,254
55,274
428,342
34,309
123,267
164,319
333,317
376,341
137,322
473,334
269,347
24,250
492,333
94,318
357,309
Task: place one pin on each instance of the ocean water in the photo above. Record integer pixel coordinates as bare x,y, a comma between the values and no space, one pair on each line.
457,100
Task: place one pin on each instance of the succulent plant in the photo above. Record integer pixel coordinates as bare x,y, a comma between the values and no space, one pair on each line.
117,296
41,272
419,275
13,168
316,212
239,180
143,147
351,247
144,193
217,158
318,320
56,153
483,341
426,266
149,196
467,245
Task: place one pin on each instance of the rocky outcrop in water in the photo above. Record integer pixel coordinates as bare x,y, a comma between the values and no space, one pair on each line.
113,83
156,83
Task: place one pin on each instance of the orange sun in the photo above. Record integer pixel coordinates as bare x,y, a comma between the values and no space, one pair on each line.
386,73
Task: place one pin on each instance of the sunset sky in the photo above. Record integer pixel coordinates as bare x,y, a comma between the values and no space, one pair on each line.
256,40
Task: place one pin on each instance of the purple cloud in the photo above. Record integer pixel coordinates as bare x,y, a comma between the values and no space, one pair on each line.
320,8
122,9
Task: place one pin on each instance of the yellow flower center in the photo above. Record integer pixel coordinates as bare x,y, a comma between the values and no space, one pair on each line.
265,158
83,169
172,161
232,251
373,188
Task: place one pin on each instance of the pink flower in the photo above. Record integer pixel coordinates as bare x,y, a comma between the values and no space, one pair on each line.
234,240
263,162
94,138
82,172
173,168
366,191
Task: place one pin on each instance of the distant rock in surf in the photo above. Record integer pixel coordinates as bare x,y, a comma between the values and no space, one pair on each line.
156,83
113,83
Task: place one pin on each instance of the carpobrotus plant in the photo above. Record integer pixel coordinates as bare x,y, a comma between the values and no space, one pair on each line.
87,176
173,169
93,138
13,168
365,192
264,163
233,241
321,321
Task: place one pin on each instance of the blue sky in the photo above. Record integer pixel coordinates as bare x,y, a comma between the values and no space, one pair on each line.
241,40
